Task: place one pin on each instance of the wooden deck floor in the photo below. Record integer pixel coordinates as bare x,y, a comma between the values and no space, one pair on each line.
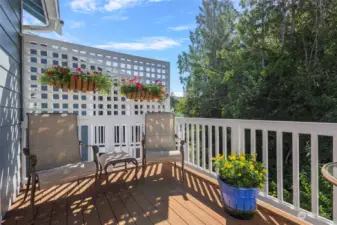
159,198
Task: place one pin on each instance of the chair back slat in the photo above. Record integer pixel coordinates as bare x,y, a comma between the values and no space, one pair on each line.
53,138
159,131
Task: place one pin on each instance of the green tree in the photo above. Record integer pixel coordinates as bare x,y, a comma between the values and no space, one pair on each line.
268,60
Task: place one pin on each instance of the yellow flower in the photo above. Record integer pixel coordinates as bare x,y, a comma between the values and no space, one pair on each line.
242,164
213,158
251,167
232,157
242,154
228,165
264,171
239,174
242,158
256,172
261,185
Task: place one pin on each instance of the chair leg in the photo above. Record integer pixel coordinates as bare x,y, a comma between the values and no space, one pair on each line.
144,167
27,187
136,171
32,197
182,170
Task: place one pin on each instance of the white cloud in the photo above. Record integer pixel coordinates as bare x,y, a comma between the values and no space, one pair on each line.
181,28
89,6
115,17
84,5
148,43
178,93
75,24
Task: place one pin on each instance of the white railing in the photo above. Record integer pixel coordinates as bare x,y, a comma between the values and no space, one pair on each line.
198,155
112,133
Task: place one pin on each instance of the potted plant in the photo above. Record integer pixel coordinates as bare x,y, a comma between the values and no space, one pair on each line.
136,90
240,178
78,80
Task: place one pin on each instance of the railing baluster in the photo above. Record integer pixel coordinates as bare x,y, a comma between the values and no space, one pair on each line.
188,141
216,140
224,141
128,138
90,142
314,174
235,139
203,134
192,143
296,171
252,141
265,158
198,145
334,206
112,139
210,164
279,158
134,140
184,138
242,140
120,137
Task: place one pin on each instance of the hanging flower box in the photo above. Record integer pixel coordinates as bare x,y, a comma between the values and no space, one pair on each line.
135,90
60,77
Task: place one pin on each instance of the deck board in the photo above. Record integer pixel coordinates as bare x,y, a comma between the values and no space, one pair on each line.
158,198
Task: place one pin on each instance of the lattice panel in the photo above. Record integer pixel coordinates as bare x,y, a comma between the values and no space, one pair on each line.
41,53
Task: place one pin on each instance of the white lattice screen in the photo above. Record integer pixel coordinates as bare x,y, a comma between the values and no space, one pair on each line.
41,53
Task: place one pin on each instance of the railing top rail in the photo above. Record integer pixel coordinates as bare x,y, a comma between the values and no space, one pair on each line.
318,128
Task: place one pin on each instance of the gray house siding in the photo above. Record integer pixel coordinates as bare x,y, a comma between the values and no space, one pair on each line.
10,101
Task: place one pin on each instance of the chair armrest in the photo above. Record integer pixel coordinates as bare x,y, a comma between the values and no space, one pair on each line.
32,160
182,142
32,164
26,151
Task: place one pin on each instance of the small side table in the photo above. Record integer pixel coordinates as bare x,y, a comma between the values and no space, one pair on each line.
113,158
329,172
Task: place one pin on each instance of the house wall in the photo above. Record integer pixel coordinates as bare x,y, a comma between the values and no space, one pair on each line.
10,98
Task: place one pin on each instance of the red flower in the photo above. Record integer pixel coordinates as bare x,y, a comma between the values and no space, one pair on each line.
157,96
88,73
166,95
139,85
162,92
49,73
79,70
95,73
76,77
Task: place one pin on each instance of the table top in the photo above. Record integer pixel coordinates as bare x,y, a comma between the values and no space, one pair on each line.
329,172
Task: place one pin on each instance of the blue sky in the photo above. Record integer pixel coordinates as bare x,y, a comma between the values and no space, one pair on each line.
156,29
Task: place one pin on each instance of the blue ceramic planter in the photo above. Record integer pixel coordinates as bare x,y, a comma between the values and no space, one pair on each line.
238,202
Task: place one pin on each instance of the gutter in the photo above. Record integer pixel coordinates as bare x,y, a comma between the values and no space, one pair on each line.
53,21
